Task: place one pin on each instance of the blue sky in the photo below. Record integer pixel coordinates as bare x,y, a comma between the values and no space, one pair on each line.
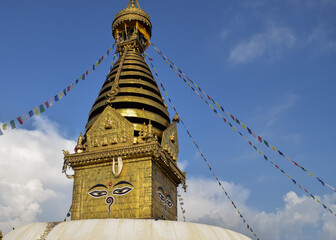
269,63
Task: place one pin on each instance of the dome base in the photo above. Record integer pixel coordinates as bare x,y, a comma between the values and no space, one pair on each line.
130,229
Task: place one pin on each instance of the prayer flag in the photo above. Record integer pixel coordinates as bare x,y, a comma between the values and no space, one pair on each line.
273,148
47,104
310,174
51,102
56,98
237,121
110,48
183,211
4,126
68,88
233,118
12,123
83,76
150,59
20,120
108,52
260,139
60,94
266,143
243,126
254,134
102,58
65,92
42,109
25,117
293,181
320,181
97,63
36,111
178,195
87,73
1,133
93,67
249,130
72,86
77,81
31,113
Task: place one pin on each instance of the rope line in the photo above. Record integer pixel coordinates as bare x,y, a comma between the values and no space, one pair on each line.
258,137
199,150
265,157
49,103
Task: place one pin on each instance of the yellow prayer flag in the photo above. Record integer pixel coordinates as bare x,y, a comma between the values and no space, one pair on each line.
234,128
97,64
209,104
80,78
273,148
243,125
110,48
60,94
318,201
260,152
217,105
310,174
288,176
196,85
4,126
36,111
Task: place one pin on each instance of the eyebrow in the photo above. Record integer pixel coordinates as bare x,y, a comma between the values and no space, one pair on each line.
160,188
98,185
123,182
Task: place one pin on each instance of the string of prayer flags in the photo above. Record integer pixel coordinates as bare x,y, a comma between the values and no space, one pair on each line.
265,157
47,104
180,199
203,157
251,132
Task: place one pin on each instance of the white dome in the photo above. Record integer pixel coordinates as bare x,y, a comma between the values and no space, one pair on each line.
116,229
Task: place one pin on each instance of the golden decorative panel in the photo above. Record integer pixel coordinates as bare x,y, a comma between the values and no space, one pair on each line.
170,141
108,130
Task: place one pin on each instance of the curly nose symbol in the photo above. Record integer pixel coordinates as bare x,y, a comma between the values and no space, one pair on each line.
109,200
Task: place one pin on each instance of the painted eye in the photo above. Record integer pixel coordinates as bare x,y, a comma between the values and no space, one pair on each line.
169,203
122,191
98,193
161,196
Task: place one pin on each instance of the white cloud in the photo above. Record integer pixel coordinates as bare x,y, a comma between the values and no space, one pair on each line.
206,203
30,175
321,37
272,42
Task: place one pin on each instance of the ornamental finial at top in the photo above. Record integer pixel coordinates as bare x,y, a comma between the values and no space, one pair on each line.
132,3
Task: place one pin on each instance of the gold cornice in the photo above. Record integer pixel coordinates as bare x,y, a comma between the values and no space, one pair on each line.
105,155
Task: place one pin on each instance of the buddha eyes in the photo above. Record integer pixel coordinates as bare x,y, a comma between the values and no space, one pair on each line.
122,191
98,193
165,199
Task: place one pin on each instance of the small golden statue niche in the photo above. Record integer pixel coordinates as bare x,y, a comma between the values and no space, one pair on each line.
108,123
172,137
79,147
105,143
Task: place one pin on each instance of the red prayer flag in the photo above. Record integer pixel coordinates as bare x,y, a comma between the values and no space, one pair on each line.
259,138
87,72
20,120
150,59
47,104
102,58
233,118
68,88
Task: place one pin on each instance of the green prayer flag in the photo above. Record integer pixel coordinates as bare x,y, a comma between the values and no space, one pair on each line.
64,91
12,123
42,108
266,143
83,76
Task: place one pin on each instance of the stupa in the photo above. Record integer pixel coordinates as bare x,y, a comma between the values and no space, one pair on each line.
125,164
